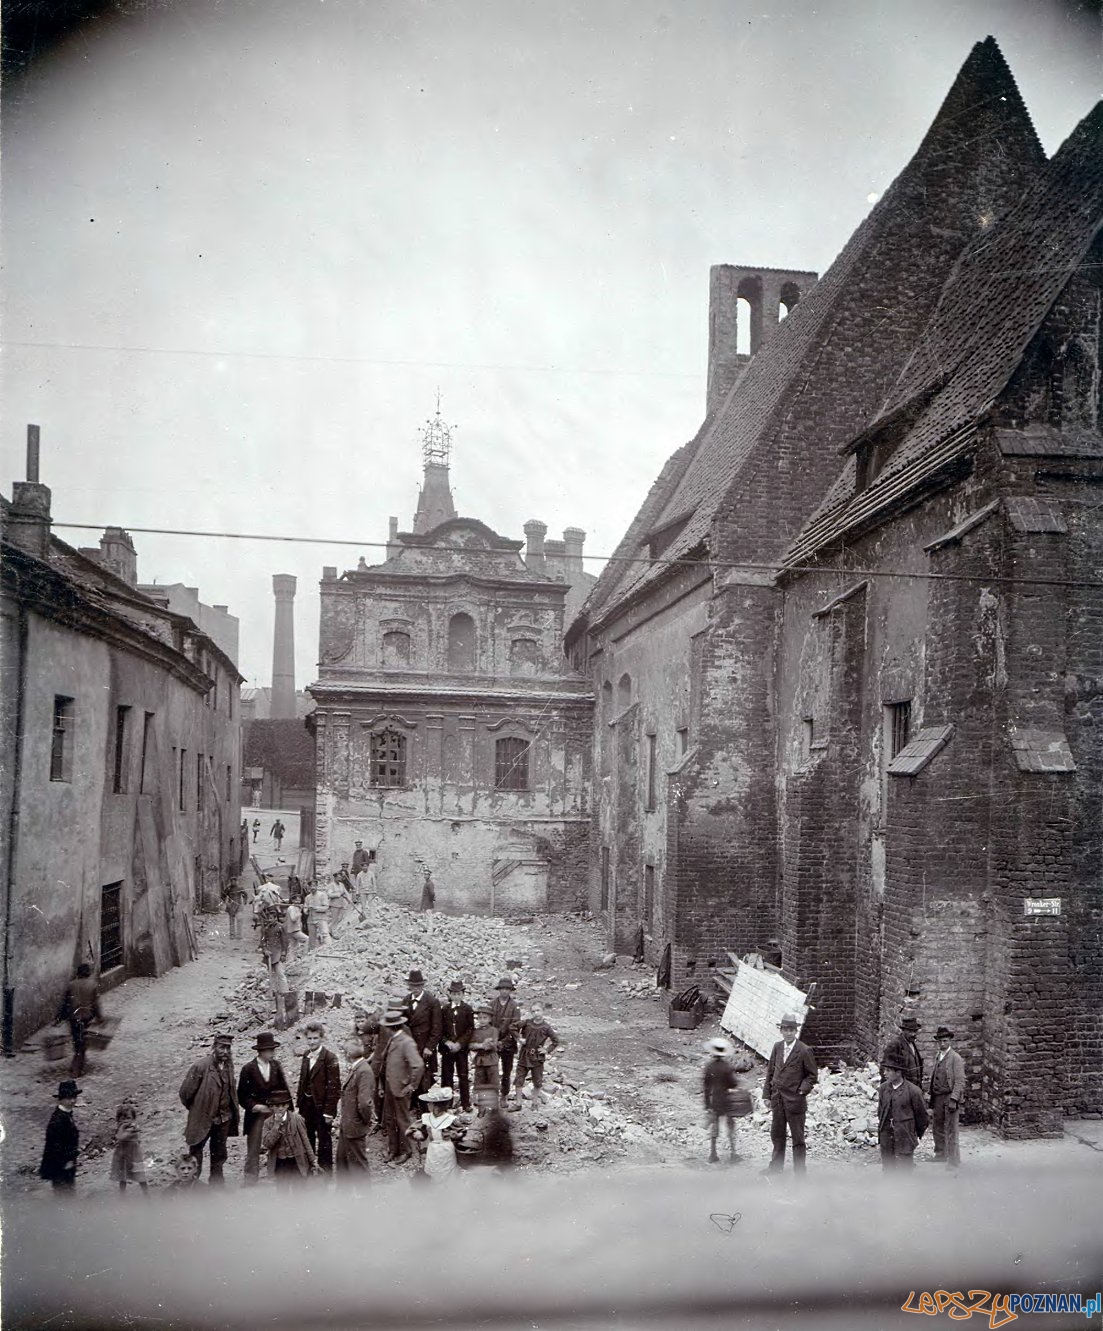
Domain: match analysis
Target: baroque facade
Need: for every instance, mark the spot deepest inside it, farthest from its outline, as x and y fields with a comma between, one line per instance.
x=119, y=763
x=450, y=731
x=849, y=693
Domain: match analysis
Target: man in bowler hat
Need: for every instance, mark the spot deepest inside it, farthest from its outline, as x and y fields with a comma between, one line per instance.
x=790, y=1075
x=424, y=1022
x=458, y=1026
x=901, y=1117
x=947, y=1093
x=59, y=1154
x=902, y=1050
x=259, y=1078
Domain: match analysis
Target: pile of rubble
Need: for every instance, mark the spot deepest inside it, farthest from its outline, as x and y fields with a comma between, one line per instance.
x=638, y=986
x=842, y=1107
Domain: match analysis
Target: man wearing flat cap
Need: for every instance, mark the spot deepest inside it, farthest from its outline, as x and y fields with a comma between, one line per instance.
x=207, y=1093
x=947, y=1093
x=790, y=1075
x=901, y=1118
x=259, y=1078
x=902, y=1050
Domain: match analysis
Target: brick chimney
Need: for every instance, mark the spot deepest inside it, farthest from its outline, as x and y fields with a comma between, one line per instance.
x=283, y=648
x=27, y=524
x=535, y=531
x=574, y=538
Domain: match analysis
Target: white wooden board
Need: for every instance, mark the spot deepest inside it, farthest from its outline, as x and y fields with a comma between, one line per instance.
x=757, y=1001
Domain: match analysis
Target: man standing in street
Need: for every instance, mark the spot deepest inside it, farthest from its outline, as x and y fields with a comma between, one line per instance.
x=457, y=1026
x=278, y=830
x=425, y=1024
x=505, y=1015
x=902, y=1050
x=319, y=1094
x=790, y=1075
x=901, y=1118
x=207, y=1093
x=59, y=1154
x=357, y=1107
x=360, y=858
x=947, y=1093
x=81, y=1007
x=402, y=1073
x=259, y=1078
x=428, y=890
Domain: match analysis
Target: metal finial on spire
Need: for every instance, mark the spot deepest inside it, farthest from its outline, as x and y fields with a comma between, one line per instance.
x=436, y=439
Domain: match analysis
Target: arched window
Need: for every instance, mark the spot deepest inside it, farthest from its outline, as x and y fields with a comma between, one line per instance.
x=748, y=316
x=511, y=764
x=624, y=690
x=396, y=650
x=522, y=656
x=461, y=642
x=388, y=758
x=787, y=299
x=607, y=694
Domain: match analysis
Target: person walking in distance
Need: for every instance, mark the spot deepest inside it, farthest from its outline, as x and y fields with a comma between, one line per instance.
x=208, y=1094
x=790, y=1075
x=402, y=1073
x=901, y=1117
x=319, y=1094
x=233, y=899
x=259, y=1078
x=947, y=1092
x=357, y=1108
x=80, y=1007
x=506, y=1016
x=424, y=1021
x=59, y=1154
x=256, y=829
x=457, y=1028
x=277, y=832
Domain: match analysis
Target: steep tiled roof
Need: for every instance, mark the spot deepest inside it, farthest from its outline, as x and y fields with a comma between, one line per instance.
x=981, y=133
x=991, y=308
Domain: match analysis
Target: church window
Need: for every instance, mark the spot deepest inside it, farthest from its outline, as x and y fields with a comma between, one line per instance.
x=511, y=764
x=388, y=758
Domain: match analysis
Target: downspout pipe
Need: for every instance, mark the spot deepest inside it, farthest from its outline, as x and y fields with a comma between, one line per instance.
x=11, y=858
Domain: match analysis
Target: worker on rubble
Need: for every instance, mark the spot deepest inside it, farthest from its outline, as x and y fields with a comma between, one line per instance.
x=316, y=907
x=901, y=1117
x=428, y=891
x=724, y=1099
x=790, y=1075
x=902, y=1049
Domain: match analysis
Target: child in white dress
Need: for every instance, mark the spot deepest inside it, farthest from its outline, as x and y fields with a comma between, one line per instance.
x=435, y=1129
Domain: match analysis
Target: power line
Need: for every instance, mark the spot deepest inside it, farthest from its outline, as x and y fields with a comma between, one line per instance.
x=746, y=565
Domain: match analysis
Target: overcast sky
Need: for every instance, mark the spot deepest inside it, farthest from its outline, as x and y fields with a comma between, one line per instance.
x=250, y=238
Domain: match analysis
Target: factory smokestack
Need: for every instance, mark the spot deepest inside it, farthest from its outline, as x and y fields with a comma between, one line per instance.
x=283, y=648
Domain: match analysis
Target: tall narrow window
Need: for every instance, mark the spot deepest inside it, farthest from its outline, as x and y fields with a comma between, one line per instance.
x=605, y=878
x=898, y=717
x=61, y=740
x=652, y=778
x=182, y=781
x=229, y=782
x=111, y=926
x=119, y=764
x=511, y=764
x=388, y=759
x=461, y=643
x=147, y=735
x=214, y=688
x=683, y=741
x=808, y=736
x=648, y=894
x=199, y=784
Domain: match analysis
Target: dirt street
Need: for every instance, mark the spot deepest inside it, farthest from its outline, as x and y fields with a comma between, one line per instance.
x=623, y=1089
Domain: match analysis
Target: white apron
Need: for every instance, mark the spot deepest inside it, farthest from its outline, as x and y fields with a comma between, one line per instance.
x=440, y=1155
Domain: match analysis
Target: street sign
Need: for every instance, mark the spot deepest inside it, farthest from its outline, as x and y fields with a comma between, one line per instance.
x=1041, y=905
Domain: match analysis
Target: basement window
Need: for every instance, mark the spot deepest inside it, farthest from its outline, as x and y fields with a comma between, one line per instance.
x=61, y=740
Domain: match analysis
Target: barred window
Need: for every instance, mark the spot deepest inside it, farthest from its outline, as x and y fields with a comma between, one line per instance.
x=388, y=758
x=511, y=764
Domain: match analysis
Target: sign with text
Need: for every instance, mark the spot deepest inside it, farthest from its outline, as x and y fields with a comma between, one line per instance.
x=756, y=1004
x=1041, y=905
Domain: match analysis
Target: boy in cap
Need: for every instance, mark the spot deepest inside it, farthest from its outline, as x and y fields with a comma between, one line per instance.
x=902, y=1050
x=901, y=1118
x=59, y=1154
x=790, y=1075
x=484, y=1045
x=538, y=1040
x=260, y=1078
x=207, y=1093
x=457, y=1028
x=506, y=1016
x=291, y=1157
x=947, y=1092
x=718, y=1082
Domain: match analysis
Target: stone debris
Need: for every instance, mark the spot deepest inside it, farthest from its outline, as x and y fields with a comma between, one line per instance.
x=638, y=986
x=842, y=1108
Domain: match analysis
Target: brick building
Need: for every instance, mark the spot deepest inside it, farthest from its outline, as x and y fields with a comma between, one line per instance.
x=849, y=697
x=119, y=763
x=450, y=731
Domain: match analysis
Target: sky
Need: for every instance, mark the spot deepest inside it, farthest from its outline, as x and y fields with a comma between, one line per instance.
x=246, y=242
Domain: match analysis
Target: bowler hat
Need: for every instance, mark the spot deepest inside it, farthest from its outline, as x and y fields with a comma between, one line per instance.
x=266, y=1040
x=67, y=1090
x=505, y=983
x=415, y=977
x=910, y=1024
x=719, y=1046
x=789, y=1019
x=456, y=987
x=279, y=1097
x=893, y=1064
x=943, y=1034
x=394, y=1019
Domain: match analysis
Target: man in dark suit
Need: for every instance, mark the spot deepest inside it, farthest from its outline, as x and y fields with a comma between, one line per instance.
x=319, y=1094
x=207, y=1093
x=458, y=1026
x=424, y=1024
x=790, y=1075
x=259, y=1078
x=357, y=1106
x=901, y=1117
x=59, y=1155
x=947, y=1093
x=903, y=1052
